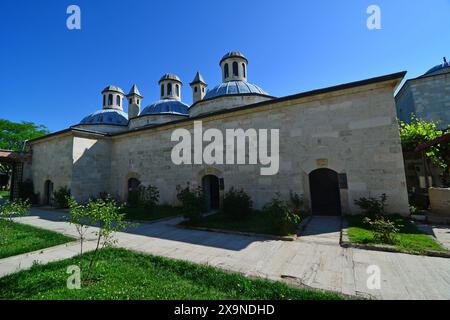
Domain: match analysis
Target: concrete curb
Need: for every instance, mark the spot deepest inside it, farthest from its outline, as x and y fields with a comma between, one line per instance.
x=248, y=234
x=345, y=243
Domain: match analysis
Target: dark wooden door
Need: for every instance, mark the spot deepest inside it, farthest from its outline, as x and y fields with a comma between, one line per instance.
x=324, y=188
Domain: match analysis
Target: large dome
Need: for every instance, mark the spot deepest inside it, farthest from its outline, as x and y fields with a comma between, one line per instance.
x=106, y=116
x=234, y=88
x=166, y=106
x=439, y=67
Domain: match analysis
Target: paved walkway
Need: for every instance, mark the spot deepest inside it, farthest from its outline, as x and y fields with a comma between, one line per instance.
x=318, y=264
x=323, y=229
x=440, y=232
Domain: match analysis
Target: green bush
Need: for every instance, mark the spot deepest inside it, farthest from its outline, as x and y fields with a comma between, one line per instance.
x=284, y=218
x=148, y=197
x=193, y=202
x=61, y=197
x=372, y=207
x=296, y=201
x=237, y=204
x=384, y=229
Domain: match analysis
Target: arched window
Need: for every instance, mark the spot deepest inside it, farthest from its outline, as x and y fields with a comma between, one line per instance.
x=235, y=69
x=130, y=101
x=243, y=70
x=137, y=102
x=169, y=89
x=110, y=99
x=104, y=100
x=225, y=70
x=177, y=90
x=118, y=100
x=195, y=89
x=162, y=90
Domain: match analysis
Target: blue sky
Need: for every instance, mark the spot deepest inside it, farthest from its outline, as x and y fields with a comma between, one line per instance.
x=53, y=76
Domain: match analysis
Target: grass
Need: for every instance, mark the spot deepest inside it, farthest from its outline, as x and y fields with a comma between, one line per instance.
x=122, y=274
x=257, y=222
x=162, y=211
x=409, y=239
x=4, y=194
x=21, y=238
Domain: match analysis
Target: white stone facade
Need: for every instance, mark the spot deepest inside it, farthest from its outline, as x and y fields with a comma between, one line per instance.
x=350, y=129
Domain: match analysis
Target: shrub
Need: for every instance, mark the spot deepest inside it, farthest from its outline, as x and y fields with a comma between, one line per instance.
x=372, y=207
x=148, y=197
x=61, y=197
x=383, y=228
x=284, y=219
x=193, y=202
x=237, y=204
x=296, y=201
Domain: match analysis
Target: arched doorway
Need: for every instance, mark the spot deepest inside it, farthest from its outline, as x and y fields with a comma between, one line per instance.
x=133, y=188
x=48, y=192
x=325, y=196
x=210, y=185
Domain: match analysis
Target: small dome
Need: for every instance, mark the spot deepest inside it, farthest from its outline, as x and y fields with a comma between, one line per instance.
x=439, y=67
x=113, y=88
x=166, y=106
x=232, y=54
x=234, y=88
x=106, y=116
x=170, y=76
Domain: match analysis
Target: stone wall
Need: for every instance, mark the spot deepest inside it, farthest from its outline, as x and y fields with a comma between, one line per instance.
x=440, y=201
x=226, y=102
x=91, y=166
x=51, y=160
x=352, y=131
x=428, y=97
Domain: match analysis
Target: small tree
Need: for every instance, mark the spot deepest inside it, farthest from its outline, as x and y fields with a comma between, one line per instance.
x=101, y=212
x=9, y=210
x=106, y=214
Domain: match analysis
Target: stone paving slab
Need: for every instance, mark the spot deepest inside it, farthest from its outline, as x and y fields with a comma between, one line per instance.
x=25, y=261
x=315, y=262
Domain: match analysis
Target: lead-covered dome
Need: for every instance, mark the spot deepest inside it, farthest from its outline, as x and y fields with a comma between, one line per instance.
x=234, y=88
x=439, y=67
x=166, y=106
x=106, y=116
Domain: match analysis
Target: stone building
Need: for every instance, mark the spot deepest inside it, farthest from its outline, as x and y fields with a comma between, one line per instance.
x=336, y=144
x=427, y=96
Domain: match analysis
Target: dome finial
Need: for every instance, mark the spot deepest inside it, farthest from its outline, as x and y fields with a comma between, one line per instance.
x=445, y=60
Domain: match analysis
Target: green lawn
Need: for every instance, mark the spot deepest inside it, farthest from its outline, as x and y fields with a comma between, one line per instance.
x=4, y=194
x=21, y=238
x=409, y=239
x=122, y=274
x=159, y=212
x=257, y=222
